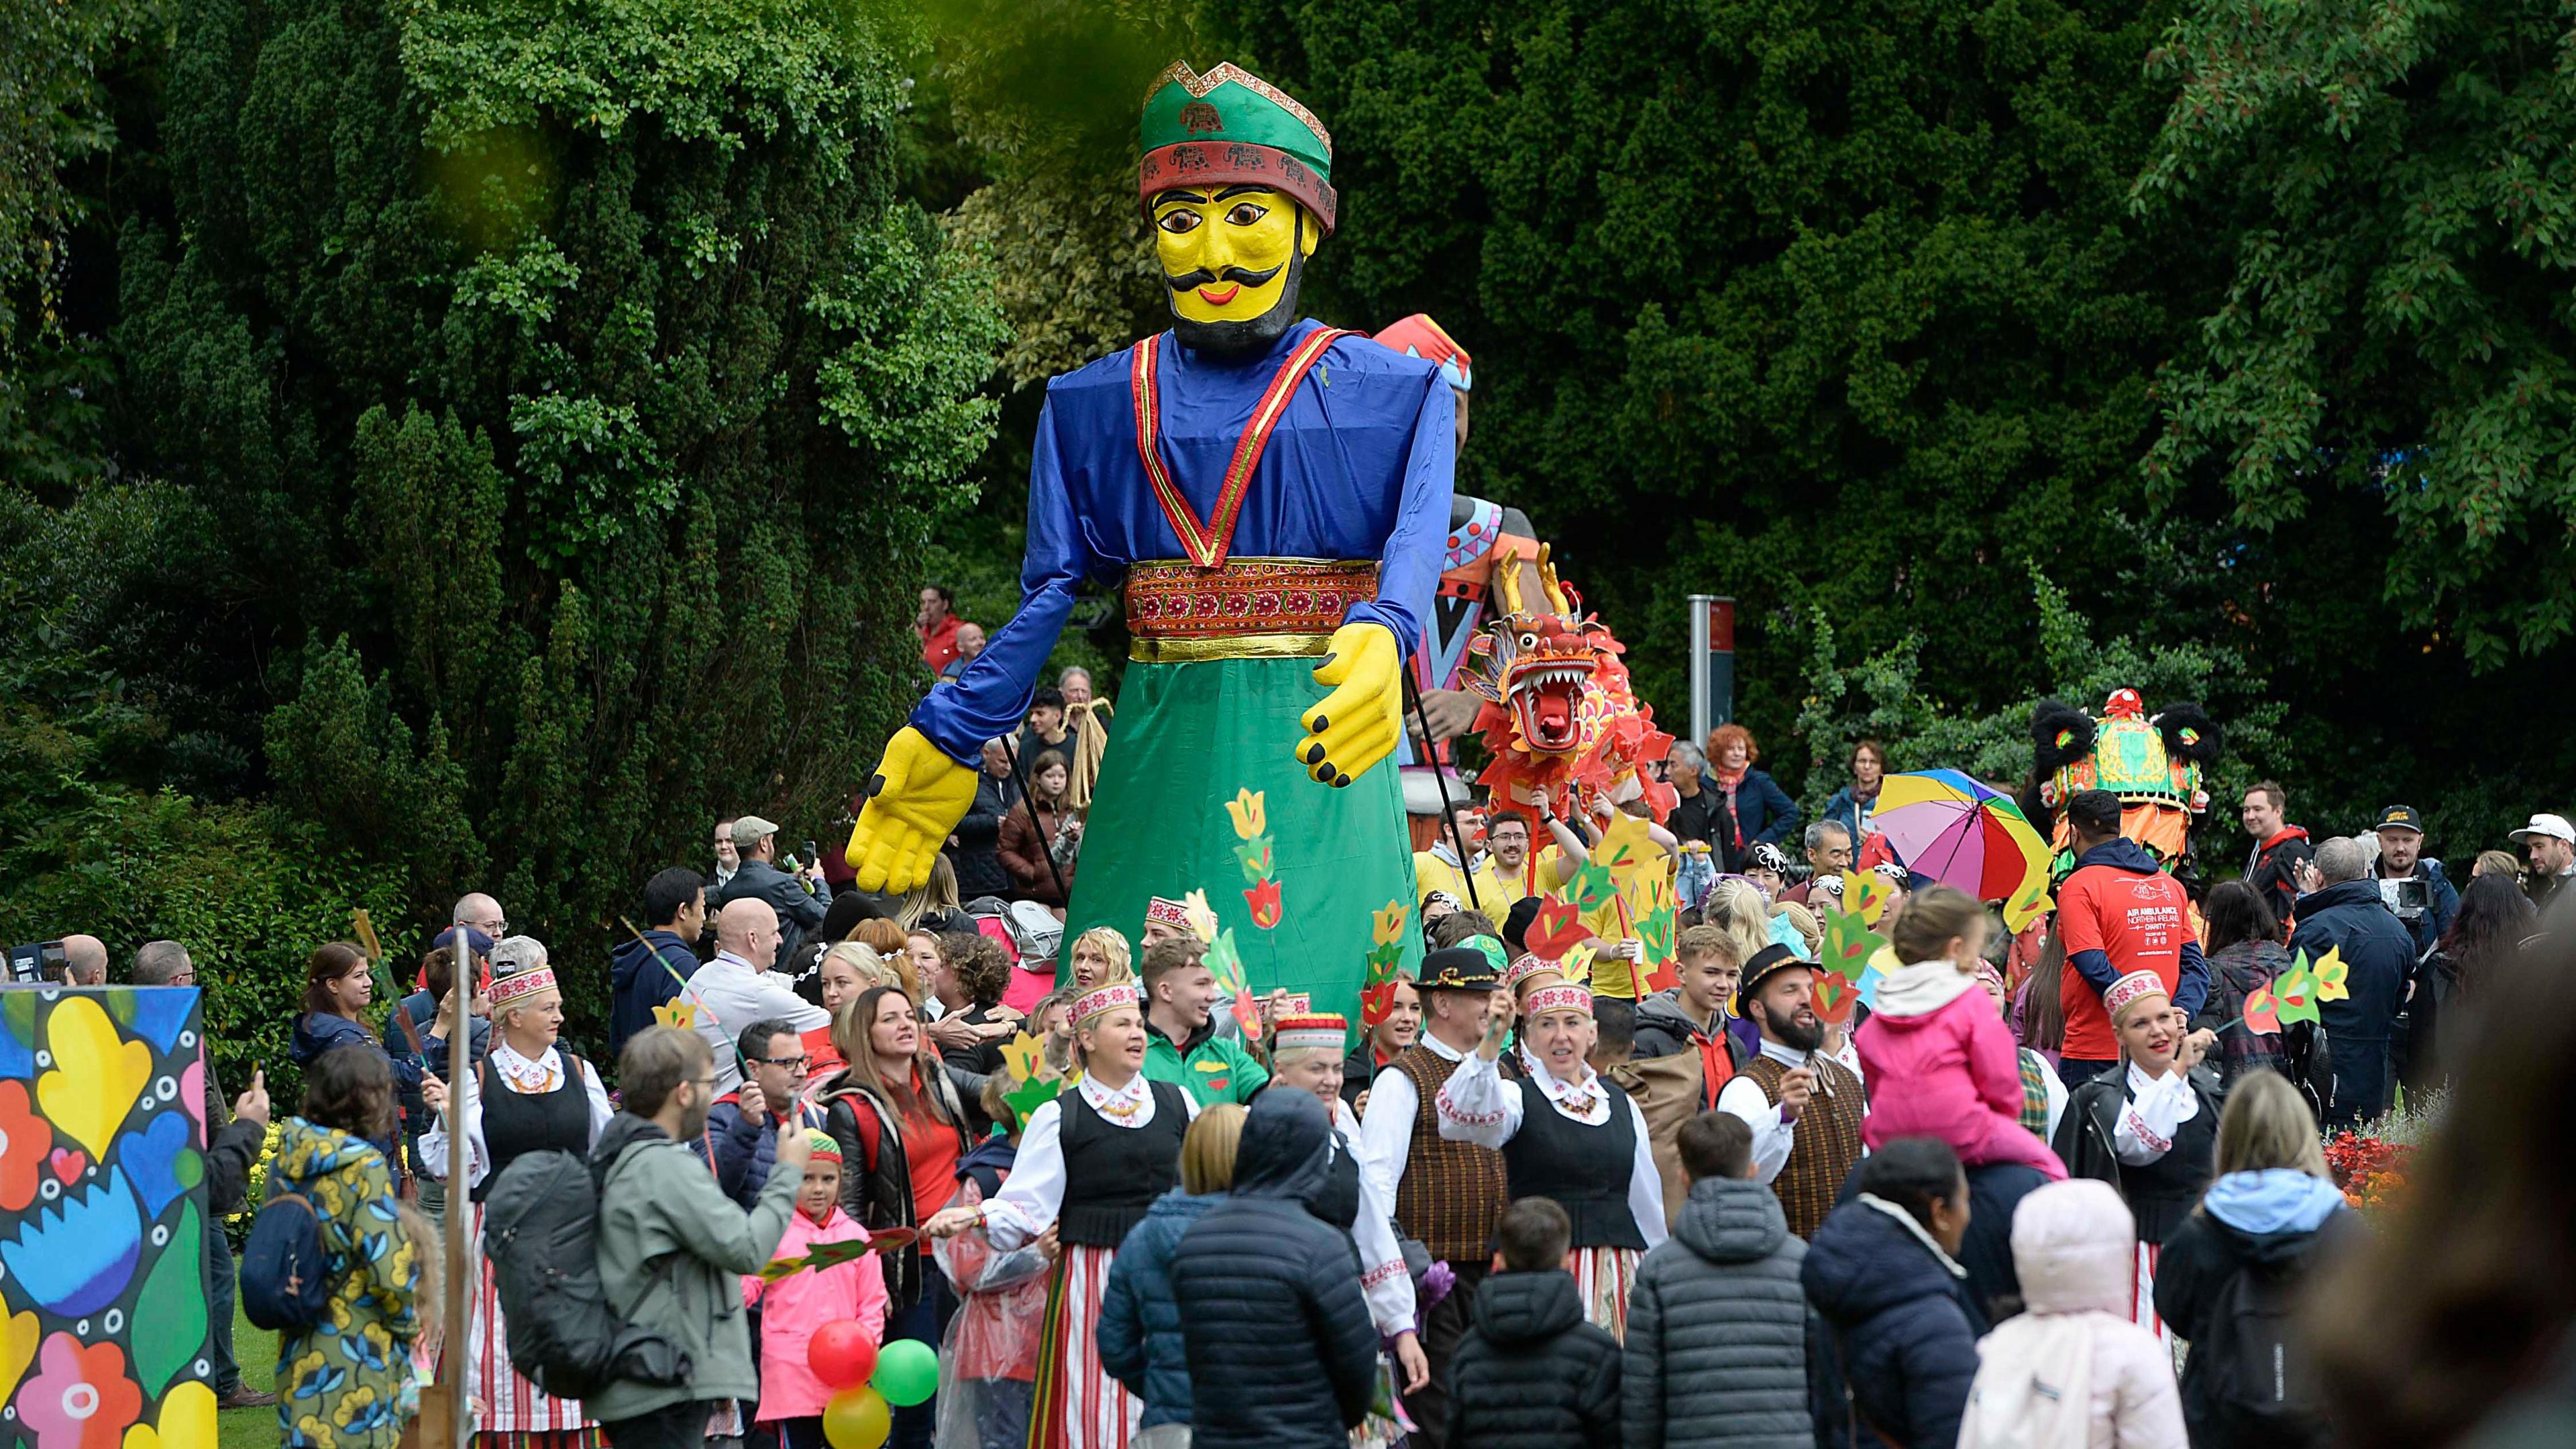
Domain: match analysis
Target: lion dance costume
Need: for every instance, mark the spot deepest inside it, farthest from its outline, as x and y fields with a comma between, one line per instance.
x=2153, y=763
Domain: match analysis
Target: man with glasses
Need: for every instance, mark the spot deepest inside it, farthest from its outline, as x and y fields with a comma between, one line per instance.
x=482, y=913
x=741, y=1136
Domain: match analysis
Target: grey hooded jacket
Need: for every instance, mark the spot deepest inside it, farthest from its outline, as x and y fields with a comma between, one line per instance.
x=1717, y=1329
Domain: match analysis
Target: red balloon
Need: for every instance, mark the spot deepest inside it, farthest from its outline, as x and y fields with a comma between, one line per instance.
x=842, y=1353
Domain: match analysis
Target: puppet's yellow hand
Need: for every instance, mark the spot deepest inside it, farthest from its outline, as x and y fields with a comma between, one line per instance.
x=916, y=799
x=1357, y=724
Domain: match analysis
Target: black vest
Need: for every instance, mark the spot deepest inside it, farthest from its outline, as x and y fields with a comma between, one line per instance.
x=1585, y=1170
x=515, y=1123
x=1339, y=1202
x=1113, y=1174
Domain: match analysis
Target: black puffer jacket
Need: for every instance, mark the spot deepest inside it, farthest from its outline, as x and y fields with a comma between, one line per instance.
x=1717, y=1328
x=1901, y=1318
x=1530, y=1373
x=1281, y=1350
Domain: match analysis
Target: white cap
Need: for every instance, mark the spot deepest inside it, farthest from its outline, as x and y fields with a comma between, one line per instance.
x=2553, y=826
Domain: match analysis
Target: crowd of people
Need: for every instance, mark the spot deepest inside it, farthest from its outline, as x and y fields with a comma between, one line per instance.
x=2052, y=1188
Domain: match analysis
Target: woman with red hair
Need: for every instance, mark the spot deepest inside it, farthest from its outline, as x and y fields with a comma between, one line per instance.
x=1761, y=809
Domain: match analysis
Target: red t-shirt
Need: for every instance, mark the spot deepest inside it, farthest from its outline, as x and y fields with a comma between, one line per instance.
x=2139, y=921
x=930, y=1151
x=938, y=642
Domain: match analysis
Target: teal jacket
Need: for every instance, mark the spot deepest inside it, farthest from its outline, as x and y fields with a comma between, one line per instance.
x=657, y=1199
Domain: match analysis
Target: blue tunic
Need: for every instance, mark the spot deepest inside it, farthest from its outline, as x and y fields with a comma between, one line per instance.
x=1358, y=468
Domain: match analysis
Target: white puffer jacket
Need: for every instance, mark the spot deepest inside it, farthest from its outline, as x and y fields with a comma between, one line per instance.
x=2072, y=1372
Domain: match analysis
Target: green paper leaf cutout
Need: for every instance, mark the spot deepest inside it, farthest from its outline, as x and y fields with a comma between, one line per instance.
x=1225, y=962
x=1656, y=930
x=169, y=1324
x=1849, y=943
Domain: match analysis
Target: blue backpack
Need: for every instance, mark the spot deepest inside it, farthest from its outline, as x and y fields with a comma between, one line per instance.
x=285, y=1275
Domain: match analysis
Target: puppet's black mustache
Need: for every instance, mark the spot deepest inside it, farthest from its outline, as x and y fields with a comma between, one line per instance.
x=1203, y=277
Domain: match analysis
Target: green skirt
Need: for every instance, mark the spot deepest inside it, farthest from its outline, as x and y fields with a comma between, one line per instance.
x=1190, y=737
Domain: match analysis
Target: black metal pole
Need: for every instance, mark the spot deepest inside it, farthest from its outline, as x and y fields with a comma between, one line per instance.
x=1012, y=753
x=1440, y=778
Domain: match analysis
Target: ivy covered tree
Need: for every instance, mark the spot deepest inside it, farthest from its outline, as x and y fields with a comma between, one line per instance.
x=561, y=390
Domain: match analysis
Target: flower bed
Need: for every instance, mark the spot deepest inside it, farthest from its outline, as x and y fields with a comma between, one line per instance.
x=2370, y=1170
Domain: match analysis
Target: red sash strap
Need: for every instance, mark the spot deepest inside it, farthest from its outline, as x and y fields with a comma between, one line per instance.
x=1206, y=541
x=1717, y=1066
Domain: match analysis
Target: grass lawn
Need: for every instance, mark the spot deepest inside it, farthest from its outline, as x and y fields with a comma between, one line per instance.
x=255, y=1349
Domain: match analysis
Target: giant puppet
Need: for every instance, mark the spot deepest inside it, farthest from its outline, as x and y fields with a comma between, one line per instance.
x=2154, y=763
x=1275, y=495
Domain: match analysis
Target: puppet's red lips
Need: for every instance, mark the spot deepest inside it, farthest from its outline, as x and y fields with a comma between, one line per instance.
x=1219, y=296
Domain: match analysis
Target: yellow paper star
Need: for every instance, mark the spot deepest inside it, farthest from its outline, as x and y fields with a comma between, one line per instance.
x=1245, y=807
x=682, y=1014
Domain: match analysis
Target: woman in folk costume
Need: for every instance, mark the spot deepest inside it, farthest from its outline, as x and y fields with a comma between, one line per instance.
x=1273, y=496
x=1565, y=1133
x=2149, y=1129
x=1090, y=1164
x=1306, y=1055
x=530, y=1095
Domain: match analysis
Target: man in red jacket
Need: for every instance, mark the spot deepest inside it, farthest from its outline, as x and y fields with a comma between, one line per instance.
x=2272, y=868
x=2119, y=912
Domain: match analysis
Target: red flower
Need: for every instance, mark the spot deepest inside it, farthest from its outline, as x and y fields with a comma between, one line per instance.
x=25, y=1138
x=1375, y=1002
x=1263, y=900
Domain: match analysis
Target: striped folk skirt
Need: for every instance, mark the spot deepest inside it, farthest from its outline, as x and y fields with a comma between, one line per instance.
x=511, y=1405
x=1602, y=1278
x=2142, y=1295
x=1077, y=1404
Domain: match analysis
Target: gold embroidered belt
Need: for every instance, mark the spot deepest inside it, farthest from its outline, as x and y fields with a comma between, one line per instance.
x=1248, y=608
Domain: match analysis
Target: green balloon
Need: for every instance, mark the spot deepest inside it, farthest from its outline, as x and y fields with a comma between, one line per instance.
x=907, y=1372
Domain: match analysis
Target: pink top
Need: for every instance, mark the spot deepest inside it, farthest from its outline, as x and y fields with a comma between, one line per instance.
x=795, y=1307
x=1934, y=1073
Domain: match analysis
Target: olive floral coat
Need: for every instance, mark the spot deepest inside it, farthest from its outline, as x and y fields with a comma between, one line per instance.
x=346, y=1382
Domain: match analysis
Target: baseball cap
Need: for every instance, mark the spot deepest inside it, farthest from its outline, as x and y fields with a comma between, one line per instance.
x=2553, y=826
x=748, y=829
x=2403, y=817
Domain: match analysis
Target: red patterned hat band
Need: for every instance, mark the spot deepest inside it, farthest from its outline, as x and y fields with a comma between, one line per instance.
x=1160, y=911
x=1323, y=1029
x=508, y=989
x=1106, y=999
x=1558, y=998
x=2135, y=987
x=1526, y=967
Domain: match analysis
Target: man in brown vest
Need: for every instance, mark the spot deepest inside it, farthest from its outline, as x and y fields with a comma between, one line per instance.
x=1447, y=1195
x=1805, y=1108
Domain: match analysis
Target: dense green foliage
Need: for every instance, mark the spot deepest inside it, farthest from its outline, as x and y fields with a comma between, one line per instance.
x=537, y=398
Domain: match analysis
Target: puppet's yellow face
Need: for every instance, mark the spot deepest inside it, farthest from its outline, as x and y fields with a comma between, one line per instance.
x=1226, y=250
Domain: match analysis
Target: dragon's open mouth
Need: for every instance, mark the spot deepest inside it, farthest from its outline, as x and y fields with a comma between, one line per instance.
x=1544, y=693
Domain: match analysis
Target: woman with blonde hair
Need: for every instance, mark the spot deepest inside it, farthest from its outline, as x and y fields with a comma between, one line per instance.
x=938, y=893
x=1142, y=1342
x=2273, y=1213
x=1101, y=958
x=1736, y=907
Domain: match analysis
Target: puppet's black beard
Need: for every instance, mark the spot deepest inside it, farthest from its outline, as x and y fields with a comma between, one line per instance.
x=1251, y=336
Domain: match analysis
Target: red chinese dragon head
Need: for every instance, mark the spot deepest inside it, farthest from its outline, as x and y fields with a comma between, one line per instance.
x=1559, y=714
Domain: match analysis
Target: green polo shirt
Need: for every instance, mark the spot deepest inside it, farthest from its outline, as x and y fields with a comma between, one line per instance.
x=1212, y=1069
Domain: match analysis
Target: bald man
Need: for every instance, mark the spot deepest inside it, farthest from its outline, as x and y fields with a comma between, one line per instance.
x=737, y=988
x=482, y=913
x=85, y=961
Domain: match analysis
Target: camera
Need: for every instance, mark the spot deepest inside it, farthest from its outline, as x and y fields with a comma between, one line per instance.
x=39, y=962
x=2408, y=896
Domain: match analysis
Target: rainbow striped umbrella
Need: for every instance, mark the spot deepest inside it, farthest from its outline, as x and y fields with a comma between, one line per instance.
x=1959, y=832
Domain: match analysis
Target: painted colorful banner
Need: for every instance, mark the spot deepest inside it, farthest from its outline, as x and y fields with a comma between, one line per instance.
x=102, y=1219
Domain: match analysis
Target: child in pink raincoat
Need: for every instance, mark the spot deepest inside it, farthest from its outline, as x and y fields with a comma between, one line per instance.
x=795, y=1307
x=1938, y=1060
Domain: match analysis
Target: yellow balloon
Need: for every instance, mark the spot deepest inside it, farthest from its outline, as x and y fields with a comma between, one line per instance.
x=857, y=1418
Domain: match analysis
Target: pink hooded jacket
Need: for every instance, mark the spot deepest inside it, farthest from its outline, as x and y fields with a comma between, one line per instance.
x=796, y=1306
x=1940, y=1063
x=2072, y=1372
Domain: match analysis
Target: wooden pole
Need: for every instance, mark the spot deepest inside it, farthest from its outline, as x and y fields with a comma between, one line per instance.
x=458, y=1350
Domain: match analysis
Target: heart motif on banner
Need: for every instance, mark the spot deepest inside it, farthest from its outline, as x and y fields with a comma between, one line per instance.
x=97, y=1075
x=68, y=1165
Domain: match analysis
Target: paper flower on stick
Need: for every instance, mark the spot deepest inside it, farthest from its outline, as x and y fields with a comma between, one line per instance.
x=1848, y=945
x=1385, y=955
x=1557, y=929
x=1249, y=818
x=1591, y=888
x=1261, y=884
x=2330, y=974
x=1386, y=927
x=682, y=1014
x=1834, y=998
x=1202, y=916
x=2032, y=903
x=2262, y=1013
x=1032, y=1084
x=1866, y=892
x=1576, y=964
x=1263, y=901
x=2294, y=993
